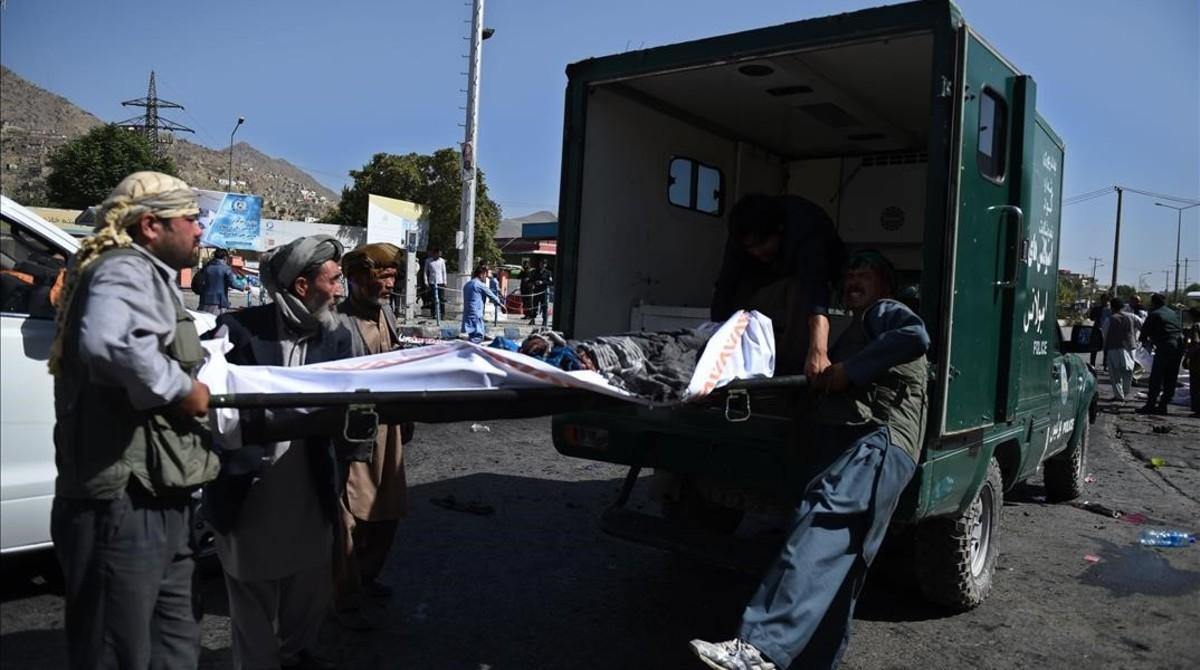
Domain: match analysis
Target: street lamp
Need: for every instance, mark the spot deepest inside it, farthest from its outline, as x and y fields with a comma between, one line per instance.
x=1178, y=232
x=240, y=121
x=1139, y=284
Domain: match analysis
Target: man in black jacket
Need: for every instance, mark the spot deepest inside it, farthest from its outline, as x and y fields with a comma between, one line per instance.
x=274, y=505
x=781, y=258
x=1164, y=330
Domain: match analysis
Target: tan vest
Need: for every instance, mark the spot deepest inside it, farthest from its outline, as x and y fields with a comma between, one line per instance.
x=897, y=399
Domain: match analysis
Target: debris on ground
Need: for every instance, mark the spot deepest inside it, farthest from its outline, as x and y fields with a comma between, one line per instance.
x=1089, y=479
x=1097, y=508
x=1162, y=429
x=480, y=428
x=1135, y=518
x=1153, y=537
x=1091, y=558
x=470, y=507
x=1157, y=462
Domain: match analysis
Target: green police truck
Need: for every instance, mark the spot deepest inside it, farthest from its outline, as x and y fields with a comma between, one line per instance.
x=919, y=140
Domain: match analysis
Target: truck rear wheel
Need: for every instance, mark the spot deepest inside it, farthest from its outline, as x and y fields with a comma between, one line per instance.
x=1064, y=473
x=956, y=556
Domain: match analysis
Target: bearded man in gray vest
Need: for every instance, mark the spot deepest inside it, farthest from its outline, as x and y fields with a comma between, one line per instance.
x=869, y=417
x=130, y=446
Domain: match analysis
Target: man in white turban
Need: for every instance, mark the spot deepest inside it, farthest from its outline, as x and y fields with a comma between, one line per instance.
x=130, y=445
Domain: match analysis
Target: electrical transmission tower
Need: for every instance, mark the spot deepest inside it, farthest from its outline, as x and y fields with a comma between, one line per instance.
x=151, y=123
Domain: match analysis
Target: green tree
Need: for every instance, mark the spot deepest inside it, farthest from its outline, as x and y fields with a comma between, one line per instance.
x=434, y=181
x=1069, y=291
x=85, y=170
x=1125, y=292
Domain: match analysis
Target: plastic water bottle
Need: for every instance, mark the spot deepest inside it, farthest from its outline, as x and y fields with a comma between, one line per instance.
x=1166, y=538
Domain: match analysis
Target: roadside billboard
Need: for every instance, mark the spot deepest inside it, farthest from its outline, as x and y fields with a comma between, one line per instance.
x=404, y=224
x=276, y=232
x=230, y=220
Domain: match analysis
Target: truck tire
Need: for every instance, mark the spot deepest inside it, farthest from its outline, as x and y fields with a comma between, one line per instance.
x=956, y=556
x=1064, y=473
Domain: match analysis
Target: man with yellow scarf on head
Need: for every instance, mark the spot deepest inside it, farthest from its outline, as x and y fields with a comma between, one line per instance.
x=130, y=445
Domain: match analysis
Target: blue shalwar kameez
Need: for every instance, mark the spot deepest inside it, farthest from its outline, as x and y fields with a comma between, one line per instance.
x=800, y=615
x=475, y=293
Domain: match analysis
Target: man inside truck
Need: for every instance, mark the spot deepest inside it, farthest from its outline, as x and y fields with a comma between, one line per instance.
x=868, y=415
x=781, y=257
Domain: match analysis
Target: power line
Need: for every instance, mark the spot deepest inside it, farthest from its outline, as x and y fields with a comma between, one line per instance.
x=151, y=123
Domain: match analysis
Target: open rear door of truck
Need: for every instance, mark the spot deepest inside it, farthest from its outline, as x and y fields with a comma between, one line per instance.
x=989, y=225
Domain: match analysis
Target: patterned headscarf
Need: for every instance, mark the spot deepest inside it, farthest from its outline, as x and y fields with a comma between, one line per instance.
x=141, y=193
x=370, y=258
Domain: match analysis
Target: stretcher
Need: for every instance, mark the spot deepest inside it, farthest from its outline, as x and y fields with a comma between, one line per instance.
x=460, y=381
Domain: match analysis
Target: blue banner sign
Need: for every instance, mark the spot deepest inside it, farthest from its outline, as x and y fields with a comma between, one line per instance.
x=230, y=220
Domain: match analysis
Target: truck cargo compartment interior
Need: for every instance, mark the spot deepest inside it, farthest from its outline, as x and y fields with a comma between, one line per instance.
x=846, y=126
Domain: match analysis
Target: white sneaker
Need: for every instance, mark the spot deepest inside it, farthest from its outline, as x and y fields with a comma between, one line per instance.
x=732, y=655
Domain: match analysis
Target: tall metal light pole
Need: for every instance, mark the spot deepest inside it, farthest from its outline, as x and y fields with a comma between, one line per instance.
x=1178, y=233
x=466, y=254
x=240, y=121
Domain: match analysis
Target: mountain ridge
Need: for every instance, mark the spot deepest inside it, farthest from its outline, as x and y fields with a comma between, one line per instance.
x=34, y=122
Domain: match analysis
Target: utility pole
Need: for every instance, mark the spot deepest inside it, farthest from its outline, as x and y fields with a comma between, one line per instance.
x=1178, y=233
x=151, y=123
x=466, y=253
x=1167, y=283
x=1096, y=262
x=1185, y=274
x=1117, y=239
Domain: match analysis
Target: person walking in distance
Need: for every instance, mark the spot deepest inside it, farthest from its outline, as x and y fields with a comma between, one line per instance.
x=435, y=279
x=543, y=283
x=130, y=444
x=376, y=492
x=1099, y=314
x=1120, y=341
x=1193, y=360
x=215, y=280
x=1164, y=330
x=475, y=295
x=526, y=288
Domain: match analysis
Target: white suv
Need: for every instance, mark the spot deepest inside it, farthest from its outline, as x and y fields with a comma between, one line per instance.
x=31, y=249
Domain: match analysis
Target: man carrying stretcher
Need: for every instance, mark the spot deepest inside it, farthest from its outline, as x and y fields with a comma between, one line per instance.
x=869, y=422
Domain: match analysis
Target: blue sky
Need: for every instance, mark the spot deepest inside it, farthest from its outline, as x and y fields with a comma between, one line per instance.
x=326, y=84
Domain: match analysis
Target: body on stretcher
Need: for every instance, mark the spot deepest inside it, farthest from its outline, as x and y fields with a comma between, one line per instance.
x=457, y=381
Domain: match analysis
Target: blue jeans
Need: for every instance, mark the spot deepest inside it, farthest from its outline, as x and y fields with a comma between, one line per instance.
x=800, y=615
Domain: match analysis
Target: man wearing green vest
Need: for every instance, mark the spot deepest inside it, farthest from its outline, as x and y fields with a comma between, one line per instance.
x=130, y=443
x=869, y=424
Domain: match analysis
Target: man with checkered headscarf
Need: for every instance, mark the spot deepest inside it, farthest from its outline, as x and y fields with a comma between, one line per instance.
x=130, y=443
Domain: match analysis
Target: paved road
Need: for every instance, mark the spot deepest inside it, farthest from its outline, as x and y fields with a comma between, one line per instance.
x=536, y=585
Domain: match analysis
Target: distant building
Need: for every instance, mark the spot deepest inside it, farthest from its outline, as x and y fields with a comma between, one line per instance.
x=528, y=237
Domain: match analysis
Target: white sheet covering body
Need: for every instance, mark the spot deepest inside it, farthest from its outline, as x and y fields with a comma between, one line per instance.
x=741, y=348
